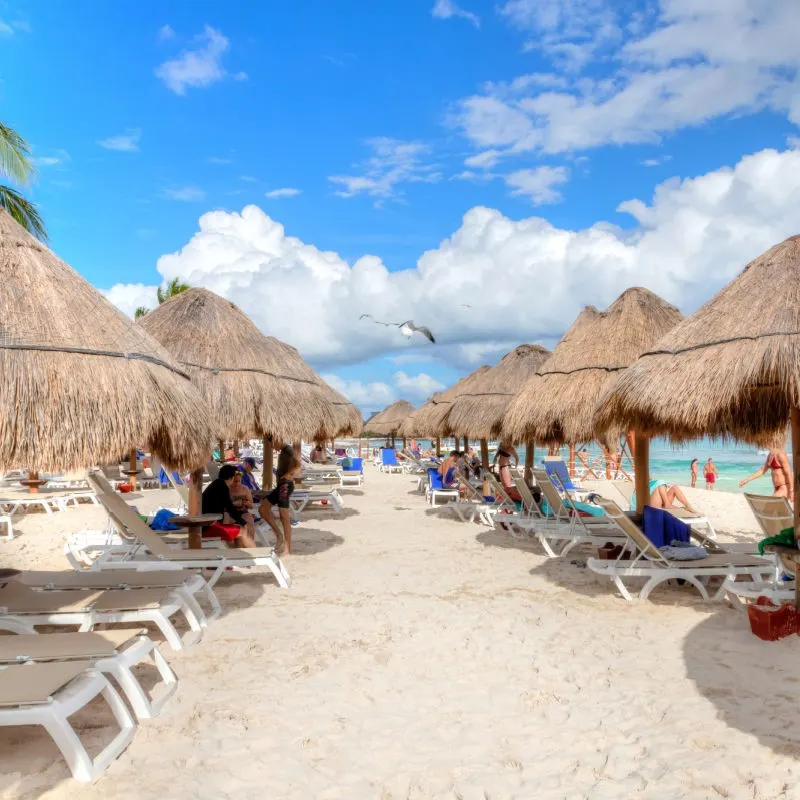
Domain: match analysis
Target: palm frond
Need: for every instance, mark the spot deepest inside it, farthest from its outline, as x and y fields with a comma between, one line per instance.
x=23, y=211
x=175, y=286
x=140, y=312
x=15, y=156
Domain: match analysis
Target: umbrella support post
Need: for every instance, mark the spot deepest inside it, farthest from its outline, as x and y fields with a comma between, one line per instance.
x=485, y=455
x=195, y=503
x=438, y=448
x=404, y=444
x=530, y=450
x=132, y=468
x=572, y=461
x=795, y=418
x=641, y=462
x=266, y=475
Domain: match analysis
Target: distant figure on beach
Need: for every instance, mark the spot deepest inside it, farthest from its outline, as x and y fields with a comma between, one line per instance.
x=505, y=452
x=777, y=462
x=414, y=449
x=711, y=474
x=288, y=469
x=693, y=470
x=318, y=455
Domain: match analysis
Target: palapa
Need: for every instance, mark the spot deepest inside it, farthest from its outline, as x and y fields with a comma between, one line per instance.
x=81, y=383
x=557, y=404
x=730, y=369
x=253, y=384
x=479, y=413
x=430, y=419
x=389, y=421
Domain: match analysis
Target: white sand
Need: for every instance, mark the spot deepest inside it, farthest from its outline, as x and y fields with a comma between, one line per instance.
x=417, y=657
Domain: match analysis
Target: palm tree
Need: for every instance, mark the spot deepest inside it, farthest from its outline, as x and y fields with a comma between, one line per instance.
x=140, y=312
x=175, y=286
x=16, y=164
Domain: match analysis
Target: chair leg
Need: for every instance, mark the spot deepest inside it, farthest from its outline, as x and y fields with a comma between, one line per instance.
x=277, y=568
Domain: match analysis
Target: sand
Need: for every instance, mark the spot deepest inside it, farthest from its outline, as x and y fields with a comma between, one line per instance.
x=419, y=657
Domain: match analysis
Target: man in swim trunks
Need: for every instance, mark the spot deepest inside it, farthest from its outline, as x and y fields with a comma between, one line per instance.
x=288, y=468
x=711, y=474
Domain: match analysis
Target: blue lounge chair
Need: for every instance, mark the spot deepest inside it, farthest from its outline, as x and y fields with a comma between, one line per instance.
x=389, y=461
x=436, y=488
x=558, y=469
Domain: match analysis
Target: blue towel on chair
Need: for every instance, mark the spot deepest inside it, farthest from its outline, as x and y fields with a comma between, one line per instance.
x=161, y=521
x=661, y=528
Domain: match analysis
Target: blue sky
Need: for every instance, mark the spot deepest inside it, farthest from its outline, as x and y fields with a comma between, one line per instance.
x=426, y=155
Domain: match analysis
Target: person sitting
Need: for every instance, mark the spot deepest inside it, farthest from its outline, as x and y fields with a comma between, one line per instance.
x=318, y=455
x=289, y=467
x=664, y=495
x=217, y=500
x=414, y=449
x=248, y=477
x=243, y=500
x=449, y=470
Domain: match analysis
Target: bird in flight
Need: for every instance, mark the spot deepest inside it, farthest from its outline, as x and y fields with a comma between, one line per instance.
x=407, y=328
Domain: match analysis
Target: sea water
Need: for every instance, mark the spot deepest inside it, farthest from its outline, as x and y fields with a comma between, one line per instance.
x=671, y=463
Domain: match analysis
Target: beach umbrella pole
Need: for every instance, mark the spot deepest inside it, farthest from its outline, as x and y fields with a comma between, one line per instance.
x=438, y=447
x=530, y=450
x=485, y=454
x=266, y=477
x=195, y=504
x=572, y=461
x=132, y=469
x=641, y=465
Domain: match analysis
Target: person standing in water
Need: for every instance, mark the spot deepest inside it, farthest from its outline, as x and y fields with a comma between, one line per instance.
x=693, y=469
x=777, y=462
x=711, y=473
x=288, y=469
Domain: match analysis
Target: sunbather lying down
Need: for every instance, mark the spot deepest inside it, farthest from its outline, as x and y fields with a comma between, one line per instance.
x=664, y=495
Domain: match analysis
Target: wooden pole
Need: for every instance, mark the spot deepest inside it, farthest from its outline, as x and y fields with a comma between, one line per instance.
x=641, y=463
x=630, y=439
x=33, y=482
x=404, y=443
x=221, y=446
x=438, y=447
x=530, y=451
x=572, y=461
x=298, y=449
x=266, y=477
x=236, y=449
x=608, y=463
x=485, y=455
x=132, y=468
x=195, y=504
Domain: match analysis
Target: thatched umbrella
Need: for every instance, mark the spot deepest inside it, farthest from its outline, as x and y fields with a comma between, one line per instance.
x=479, y=413
x=81, y=383
x=557, y=404
x=731, y=369
x=431, y=419
x=389, y=421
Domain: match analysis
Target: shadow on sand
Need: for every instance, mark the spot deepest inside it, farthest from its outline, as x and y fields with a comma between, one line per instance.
x=752, y=684
x=318, y=513
x=309, y=541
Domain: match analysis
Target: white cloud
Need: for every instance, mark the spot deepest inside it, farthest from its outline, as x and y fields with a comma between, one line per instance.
x=196, y=67
x=485, y=160
x=127, y=142
x=682, y=64
x=218, y=160
x=247, y=178
x=445, y=9
x=538, y=184
x=165, y=32
x=393, y=162
x=187, y=194
x=9, y=28
x=525, y=279
x=58, y=158
x=129, y=296
x=288, y=191
x=416, y=387
x=240, y=76
x=367, y=396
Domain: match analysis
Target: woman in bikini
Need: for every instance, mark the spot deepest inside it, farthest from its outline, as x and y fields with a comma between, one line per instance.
x=777, y=462
x=505, y=452
x=288, y=469
x=693, y=470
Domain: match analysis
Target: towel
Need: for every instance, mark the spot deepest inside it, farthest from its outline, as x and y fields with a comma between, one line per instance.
x=785, y=538
x=161, y=521
x=661, y=528
x=680, y=551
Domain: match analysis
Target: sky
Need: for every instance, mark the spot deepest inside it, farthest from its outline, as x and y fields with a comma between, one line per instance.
x=485, y=168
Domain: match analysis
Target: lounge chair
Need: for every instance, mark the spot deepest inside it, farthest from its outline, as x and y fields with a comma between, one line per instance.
x=354, y=475
x=114, y=652
x=389, y=461
x=650, y=563
x=24, y=607
x=301, y=498
x=49, y=503
x=555, y=467
x=436, y=489
x=473, y=508
x=49, y=694
x=154, y=549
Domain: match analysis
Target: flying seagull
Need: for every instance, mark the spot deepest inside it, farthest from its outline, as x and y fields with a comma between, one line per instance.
x=407, y=328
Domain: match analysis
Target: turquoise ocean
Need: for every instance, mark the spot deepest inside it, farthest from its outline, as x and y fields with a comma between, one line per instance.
x=671, y=463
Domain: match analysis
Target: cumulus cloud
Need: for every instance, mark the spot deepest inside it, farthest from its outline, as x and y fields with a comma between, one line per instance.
x=392, y=163
x=218, y=160
x=538, y=185
x=129, y=296
x=165, y=32
x=416, y=387
x=198, y=66
x=57, y=159
x=368, y=397
x=127, y=142
x=525, y=279
x=287, y=191
x=445, y=9
x=679, y=65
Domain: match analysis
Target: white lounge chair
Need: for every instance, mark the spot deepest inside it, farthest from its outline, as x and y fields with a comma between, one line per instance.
x=474, y=508
x=650, y=563
x=302, y=498
x=113, y=652
x=21, y=606
x=49, y=694
x=153, y=549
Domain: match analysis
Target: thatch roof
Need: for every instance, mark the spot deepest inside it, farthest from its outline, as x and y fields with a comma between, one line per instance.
x=81, y=384
x=389, y=421
x=430, y=419
x=479, y=413
x=253, y=384
x=557, y=405
x=732, y=368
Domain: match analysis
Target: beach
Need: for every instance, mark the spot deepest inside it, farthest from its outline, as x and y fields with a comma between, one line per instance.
x=418, y=657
